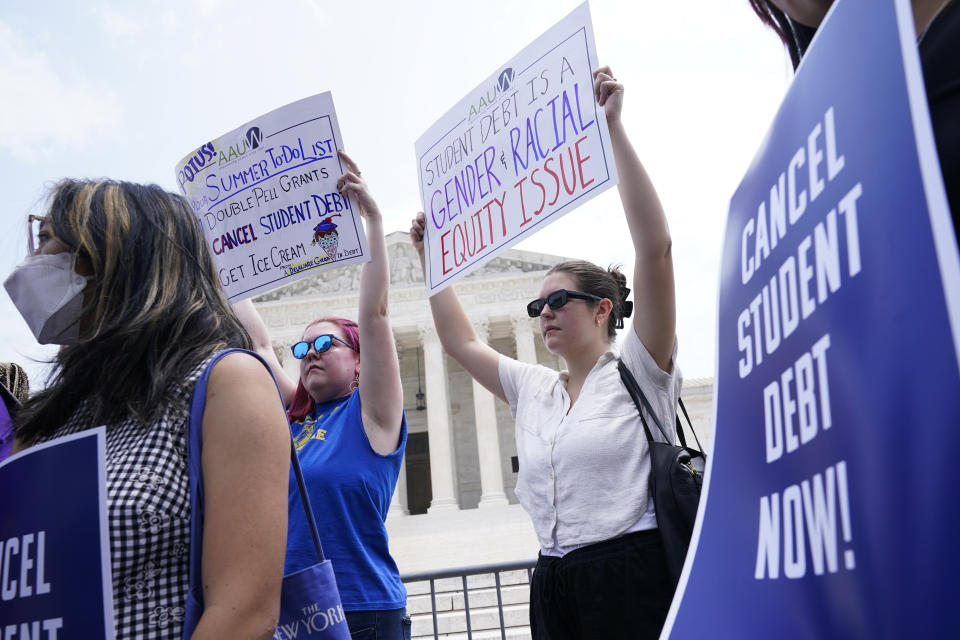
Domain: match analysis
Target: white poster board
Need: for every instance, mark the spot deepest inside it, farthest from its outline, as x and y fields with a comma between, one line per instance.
x=527, y=146
x=266, y=197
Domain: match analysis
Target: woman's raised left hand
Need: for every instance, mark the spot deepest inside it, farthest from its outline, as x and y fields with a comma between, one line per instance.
x=608, y=93
x=351, y=183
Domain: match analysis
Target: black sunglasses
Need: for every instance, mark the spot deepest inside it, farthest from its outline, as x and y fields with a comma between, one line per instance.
x=556, y=300
x=320, y=344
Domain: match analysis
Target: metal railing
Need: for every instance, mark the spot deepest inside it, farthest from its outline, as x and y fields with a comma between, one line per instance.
x=463, y=573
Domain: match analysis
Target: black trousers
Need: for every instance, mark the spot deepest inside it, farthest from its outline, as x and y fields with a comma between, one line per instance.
x=614, y=590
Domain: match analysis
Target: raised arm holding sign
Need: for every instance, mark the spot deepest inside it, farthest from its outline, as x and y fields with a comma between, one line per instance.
x=583, y=456
x=655, y=318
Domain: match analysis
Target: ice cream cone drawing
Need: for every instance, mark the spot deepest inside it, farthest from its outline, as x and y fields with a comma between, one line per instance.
x=325, y=234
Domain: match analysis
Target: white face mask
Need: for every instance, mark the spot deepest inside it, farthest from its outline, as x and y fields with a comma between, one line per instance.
x=49, y=295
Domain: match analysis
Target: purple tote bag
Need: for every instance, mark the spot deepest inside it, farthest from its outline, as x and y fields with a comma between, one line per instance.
x=309, y=600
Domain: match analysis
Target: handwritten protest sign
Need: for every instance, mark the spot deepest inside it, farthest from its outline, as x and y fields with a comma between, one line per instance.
x=54, y=550
x=829, y=509
x=266, y=196
x=527, y=146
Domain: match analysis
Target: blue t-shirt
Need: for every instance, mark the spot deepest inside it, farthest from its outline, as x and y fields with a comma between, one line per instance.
x=350, y=487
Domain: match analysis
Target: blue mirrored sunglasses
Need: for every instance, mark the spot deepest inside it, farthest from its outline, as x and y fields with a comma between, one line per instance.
x=320, y=344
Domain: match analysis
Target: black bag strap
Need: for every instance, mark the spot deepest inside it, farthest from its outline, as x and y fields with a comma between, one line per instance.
x=305, y=500
x=689, y=424
x=636, y=393
x=639, y=399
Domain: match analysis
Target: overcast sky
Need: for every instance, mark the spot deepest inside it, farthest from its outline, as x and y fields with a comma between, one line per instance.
x=126, y=89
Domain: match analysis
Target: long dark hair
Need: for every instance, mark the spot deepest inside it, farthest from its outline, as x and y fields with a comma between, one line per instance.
x=796, y=37
x=156, y=309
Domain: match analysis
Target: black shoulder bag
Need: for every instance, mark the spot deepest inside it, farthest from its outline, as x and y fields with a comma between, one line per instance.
x=675, y=479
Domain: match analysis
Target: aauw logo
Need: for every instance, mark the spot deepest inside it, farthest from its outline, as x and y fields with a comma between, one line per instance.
x=505, y=79
x=490, y=96
x=250, y=141
x=254, y=137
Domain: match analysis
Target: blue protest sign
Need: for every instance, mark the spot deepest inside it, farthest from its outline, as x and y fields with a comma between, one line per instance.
x=830, y=494
x=54, y=555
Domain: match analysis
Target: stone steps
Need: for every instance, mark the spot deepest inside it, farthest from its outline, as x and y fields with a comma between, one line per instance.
x=511, y=634
x=484, y=613
x=479, y=599
x=484, y=622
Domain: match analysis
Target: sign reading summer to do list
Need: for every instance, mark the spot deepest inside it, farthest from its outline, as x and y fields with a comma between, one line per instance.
x=830, y=508
x=266, y=195
x=55, y=579
x=527, y=146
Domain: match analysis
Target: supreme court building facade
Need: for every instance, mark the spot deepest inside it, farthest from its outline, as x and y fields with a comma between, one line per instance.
x=461, y=447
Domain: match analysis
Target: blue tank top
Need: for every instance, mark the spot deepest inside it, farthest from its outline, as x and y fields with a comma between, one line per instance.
x=350, y=487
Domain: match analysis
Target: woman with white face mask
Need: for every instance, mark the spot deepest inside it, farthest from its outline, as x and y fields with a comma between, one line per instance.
x=120, y=275
x=47, y=287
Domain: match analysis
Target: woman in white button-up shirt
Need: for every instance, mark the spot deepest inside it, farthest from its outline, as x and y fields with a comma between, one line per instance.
x=584, y=464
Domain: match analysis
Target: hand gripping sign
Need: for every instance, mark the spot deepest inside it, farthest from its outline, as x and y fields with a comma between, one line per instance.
x=266, y=196
x=527, y=146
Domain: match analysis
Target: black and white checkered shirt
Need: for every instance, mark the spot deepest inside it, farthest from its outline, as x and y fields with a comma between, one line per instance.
x=148, y=514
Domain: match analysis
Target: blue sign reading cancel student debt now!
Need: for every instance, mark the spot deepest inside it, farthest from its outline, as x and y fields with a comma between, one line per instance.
x=830, y=504
x=54, y=558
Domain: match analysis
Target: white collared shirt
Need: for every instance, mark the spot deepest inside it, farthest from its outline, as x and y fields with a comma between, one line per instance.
x=584, y=471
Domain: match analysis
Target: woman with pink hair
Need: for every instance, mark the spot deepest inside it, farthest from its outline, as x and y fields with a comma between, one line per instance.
x=346, y=417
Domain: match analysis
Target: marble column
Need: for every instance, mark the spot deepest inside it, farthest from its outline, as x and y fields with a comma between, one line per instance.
x=488, y=442
x=398, y=504
x=290, y=364
x=523, y=330
x=439, y=433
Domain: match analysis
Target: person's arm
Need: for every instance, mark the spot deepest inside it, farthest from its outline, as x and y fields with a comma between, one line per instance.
x=381, y=396
x=455, y=329
x=655, y=312
x=245, y=461
x=253, y=323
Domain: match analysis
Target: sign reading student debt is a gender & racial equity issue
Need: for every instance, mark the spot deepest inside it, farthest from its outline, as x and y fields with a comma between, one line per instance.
x=266, y=196
x=527, y=146
x=55, y=579
x=830, y=508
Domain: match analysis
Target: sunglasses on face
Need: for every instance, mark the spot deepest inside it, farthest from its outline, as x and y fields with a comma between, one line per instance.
x=320, y=344
x=556, y=300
